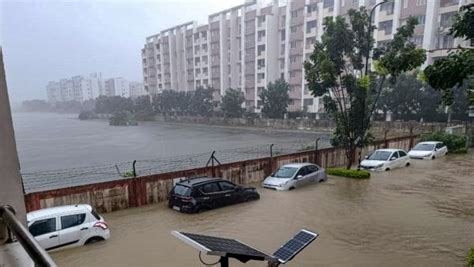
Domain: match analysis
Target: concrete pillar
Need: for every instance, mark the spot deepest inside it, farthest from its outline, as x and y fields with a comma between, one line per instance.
x=11, y=187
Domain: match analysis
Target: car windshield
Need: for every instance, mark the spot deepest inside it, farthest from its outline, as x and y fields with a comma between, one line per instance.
x=424, y=147
x=380, y=155
x=285, y=172
x=182, y=190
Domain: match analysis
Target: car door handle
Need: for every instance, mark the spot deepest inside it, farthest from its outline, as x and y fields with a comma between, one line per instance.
x=227, y=195
x=84, y=228
x=53, y=236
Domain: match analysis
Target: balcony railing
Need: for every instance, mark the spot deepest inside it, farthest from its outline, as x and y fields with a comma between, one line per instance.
x=39, y=256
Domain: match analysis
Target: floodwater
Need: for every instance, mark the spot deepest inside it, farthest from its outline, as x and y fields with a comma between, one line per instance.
x=422, y=215
x=48, y=141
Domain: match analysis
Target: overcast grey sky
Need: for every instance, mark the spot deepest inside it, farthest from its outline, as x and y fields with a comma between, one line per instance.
x=51, y=39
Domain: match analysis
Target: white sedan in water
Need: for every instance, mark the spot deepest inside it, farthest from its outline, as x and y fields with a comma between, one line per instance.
x=428, y=150
x=291, y=176
x=385, y=160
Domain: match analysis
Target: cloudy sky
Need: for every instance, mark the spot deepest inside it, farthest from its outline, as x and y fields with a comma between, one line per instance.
x=47, y=40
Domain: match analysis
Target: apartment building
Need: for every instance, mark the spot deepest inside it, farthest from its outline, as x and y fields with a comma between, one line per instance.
x=77, y=88
x=136, y=89
x=250, y=45
x=117, y=87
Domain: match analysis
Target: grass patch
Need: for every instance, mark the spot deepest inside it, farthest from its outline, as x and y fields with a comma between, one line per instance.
x=470, y=258
x=355, y=174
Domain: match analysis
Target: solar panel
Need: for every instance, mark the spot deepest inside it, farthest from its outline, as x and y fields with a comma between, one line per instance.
x=223, y=247
x=289, y=250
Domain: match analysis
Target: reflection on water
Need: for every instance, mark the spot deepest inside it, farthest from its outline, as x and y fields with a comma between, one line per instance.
x=422, y=215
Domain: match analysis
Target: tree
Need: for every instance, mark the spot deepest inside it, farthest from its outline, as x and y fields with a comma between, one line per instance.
x=452, y=71
x=201, y=101
x=113, y=104
x=232, y=103
x=143, y=109
x=275, y=99
x=335, y=71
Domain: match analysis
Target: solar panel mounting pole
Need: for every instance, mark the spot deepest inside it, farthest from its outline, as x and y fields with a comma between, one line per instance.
x=224, y=261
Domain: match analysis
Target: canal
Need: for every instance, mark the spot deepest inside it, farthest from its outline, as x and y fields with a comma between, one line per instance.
x=422, y=215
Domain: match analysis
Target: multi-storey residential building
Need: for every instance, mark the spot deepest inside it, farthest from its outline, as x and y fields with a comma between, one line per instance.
x=53, y=91
x=117, y=87
x=78, y=88
x=255, y=43
x=136, y=89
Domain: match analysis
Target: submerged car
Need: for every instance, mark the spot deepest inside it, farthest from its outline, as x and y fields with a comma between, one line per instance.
x=428, y=150
x=291, y=176
x=67, y=226
x=199, y=194
x=385, y=160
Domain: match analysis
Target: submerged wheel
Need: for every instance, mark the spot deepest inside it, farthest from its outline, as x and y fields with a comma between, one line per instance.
x=408, y=164
x=387, y=169
x=94, y=239
x=433, y=157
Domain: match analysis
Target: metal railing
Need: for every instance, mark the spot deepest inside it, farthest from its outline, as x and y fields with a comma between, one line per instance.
x=40, y=257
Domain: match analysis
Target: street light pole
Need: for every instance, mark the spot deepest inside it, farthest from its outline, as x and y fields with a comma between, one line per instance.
x=369, y=32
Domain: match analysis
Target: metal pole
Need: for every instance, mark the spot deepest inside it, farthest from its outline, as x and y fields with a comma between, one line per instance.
x=271, y=158
x=224, y=261
x=369, y=31
x=134, y=169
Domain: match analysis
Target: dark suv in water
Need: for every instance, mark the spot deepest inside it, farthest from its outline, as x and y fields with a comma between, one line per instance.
x=203, y=193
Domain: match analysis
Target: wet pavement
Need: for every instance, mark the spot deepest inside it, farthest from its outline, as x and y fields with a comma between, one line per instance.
x=422, y=215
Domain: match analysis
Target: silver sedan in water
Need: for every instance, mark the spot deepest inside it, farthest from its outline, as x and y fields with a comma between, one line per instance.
x=295, y=175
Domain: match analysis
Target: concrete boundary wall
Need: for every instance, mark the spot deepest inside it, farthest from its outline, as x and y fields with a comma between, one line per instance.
x=144, y=190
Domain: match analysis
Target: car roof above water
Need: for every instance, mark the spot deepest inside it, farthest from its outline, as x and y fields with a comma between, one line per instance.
x=389, y=149
x=31, y=216
x=297, y=165
x=198, y=180
x=430, y=142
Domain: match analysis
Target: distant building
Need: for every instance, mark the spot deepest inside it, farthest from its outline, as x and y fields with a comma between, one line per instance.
x=136, y=89
x=117, y=87
x=249, y=45
x=53, y=92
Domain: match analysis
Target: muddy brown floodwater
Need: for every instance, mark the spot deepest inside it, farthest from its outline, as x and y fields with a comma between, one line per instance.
x=422, y=215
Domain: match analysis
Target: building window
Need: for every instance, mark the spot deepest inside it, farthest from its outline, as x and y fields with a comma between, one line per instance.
x=283, y=35
x=312, y=8
x=310, y=25
x=418, y=40
x=293, y=44
x=421, y=19
x=446, y=19
x=294, y=14
x=292, y=59
x=294, y=29
x=420, y=2
x=386, y=26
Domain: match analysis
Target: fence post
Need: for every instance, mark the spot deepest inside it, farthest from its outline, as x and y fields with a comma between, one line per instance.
x=411, y=138
x=316, y=151
x=271, y=159
x=134, y=169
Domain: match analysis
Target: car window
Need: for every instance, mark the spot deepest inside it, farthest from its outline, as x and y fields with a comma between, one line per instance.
x=42, y=227
x=394, y=155
x=210, y=188
x=439, y=145
x=313, y=168
x=402, y=153
x=379, y=155
x=303, y=171
x=182, y=190
x=95, y=214
x=226, y=186
x=69, y=221
x=285, y=172
x=424, y=147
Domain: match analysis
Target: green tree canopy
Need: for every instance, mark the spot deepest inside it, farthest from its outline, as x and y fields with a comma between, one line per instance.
x=232, y=103
x=275, y=99
x=446, y=73
x=335, y=71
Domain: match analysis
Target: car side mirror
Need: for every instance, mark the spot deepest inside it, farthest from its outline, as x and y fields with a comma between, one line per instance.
x=366, y=157
x=299, y=176
x=436, y=149
x=393, y=158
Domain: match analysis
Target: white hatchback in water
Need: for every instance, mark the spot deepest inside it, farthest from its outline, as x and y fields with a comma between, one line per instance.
x=67, y=226
x=428, y=150
x=291, y=176
x=385, y=160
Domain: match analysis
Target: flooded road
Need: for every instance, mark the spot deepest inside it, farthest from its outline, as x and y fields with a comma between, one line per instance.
x=422, y=215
